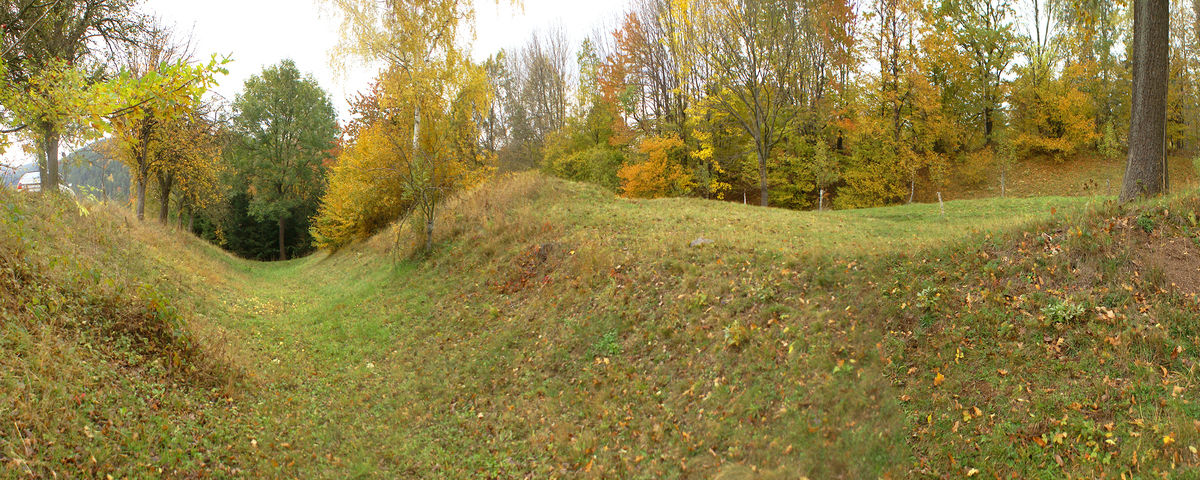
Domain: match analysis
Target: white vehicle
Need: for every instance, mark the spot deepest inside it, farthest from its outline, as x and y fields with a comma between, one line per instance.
x=32, y=182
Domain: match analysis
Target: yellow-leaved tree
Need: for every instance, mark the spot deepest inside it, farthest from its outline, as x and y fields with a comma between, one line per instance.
x=418, y=136
x=161, y=133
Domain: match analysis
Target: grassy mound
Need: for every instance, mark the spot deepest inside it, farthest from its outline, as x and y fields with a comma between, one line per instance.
x=558, y=332
x=102, y=370
x=1067, y=349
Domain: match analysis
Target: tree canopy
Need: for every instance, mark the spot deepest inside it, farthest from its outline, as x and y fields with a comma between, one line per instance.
x=286, y=128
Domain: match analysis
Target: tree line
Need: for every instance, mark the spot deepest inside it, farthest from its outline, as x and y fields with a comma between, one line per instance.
x=842, y=102
x=788, y=103
x=75, y=71
x=797, y=104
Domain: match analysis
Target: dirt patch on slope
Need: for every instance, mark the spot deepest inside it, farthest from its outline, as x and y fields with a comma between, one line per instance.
x=1178, y=258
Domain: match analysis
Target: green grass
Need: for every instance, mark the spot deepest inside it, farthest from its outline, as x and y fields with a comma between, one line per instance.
x=676, y=222
x=558, y=332
x=1082, y=176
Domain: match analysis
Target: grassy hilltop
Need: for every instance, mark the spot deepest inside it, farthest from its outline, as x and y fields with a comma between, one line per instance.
x=559, y=332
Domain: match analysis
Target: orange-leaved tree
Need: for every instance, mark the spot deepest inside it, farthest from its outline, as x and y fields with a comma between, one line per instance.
x=661, y=174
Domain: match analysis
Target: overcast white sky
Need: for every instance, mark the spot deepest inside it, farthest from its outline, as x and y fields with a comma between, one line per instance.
x=259, y=33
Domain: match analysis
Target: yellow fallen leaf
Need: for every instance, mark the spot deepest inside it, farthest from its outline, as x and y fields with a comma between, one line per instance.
x=1167, y=440
x=972, y=472
x=937, y=381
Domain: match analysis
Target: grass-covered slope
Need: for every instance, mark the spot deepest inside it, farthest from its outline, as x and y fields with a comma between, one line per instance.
x=559, y=332
x=1082, y=176
x=107, y=365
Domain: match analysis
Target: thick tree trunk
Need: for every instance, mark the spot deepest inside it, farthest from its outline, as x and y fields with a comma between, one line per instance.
x=282, y=251
x=164, y=194
x=988, y=125
x=50, y=175
x=1146, y=170
x=141, y=199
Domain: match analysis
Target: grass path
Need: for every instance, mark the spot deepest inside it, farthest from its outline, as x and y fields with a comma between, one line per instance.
x=559, y=332
x=366, y=368
x=320, y=368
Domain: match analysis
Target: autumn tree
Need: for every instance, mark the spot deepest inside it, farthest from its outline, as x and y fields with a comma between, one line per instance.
x=493, y=122
x=192, y=163
x=751, y=51
x=1050, y=114
x=656, y=62
x=591, y=146
x=432, y=95
x=287, y=127
x=1092, y=31
x=660, y=174
x=533, y=93
x=985, y=33
x=1183, y=81
x=53, y=53
x=162, y=89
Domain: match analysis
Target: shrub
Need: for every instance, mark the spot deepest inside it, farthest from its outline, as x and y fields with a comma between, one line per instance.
x=661, y=175
x=598, y=165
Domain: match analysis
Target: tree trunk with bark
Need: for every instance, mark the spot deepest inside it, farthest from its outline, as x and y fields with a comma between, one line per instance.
x=1146, y=170
x=988, y=125
x=282, y=250
x=429, y=234
x=141, y=198
x=764, y=200
x=49, y=175
x=165, y=183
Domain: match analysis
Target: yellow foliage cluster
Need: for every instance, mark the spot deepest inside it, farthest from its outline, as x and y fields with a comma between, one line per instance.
x=1053, y=118
x=384, y=173
x=660, y=175
x=417, y=138
x=359, y=199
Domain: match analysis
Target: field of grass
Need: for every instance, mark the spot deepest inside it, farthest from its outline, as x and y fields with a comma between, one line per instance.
x=1084, y=176
x=559, y=332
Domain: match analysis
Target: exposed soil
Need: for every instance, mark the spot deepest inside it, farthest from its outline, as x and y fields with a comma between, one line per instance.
x=1177, y=257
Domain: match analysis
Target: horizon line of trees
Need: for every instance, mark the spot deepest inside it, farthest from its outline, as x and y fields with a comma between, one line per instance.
x=788, y=103
x=791, y=103
x=835, y=102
